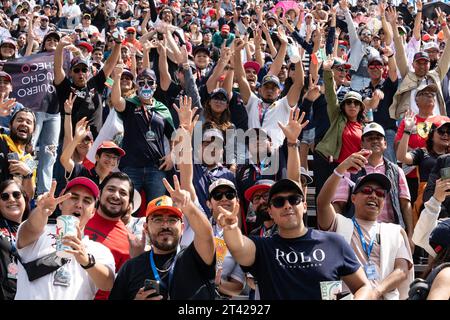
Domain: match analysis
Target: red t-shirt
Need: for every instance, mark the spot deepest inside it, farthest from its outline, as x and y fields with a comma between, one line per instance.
x=351, y=140
x=416, y=140
x=114, y=236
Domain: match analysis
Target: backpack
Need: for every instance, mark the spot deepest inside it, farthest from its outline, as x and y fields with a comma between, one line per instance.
x=419, y=288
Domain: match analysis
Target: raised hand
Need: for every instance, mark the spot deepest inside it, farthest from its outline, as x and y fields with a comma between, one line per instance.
x=440, y=191
x=47, y=202
x=186, y=113
x=118, y=70
x=356, y=161
x=181, y=198
x=391, y=15
x=81, y=129
x=419, y=5
x=441, y=15
x=228, y=220
x=343, y=4
x=313, y=92
x=410, y=120
x=387, y=51
x=68, y=104
x=282, y=35
x=137, y=246
x=328, y=64
x=65, y=41
x=294, y=126
x=239, y=44
x=6, y=105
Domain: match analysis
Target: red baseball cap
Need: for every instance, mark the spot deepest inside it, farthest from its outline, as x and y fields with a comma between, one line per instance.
x=86, y=45
x=439, y=121
x=131, y=29
x=3, y=74
x=85, y=182
x=252, y=65
x=264, y=184
x=163, y=205
x=105, y=145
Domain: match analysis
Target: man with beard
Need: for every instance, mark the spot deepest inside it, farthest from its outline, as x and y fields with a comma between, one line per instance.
x=15, y=162
x=106, y=226
x=181, y=273
x=146, y=122
x=258, y=195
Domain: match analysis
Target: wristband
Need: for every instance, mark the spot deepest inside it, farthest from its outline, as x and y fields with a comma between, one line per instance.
x=444, y=24
x=419, y=11
x=67, y=113
x=390, y=56
x=407, y=132
x=294, y=145
x=338, y=174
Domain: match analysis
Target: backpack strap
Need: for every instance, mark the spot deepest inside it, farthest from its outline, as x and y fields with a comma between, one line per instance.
x=436, y=271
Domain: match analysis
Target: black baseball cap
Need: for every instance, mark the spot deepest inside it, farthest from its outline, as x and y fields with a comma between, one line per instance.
x=440, y=236
x=378, y=178
x=285, y=185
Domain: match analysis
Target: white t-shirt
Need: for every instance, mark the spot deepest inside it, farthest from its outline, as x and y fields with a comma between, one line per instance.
x=81, y=286
x=277, y=111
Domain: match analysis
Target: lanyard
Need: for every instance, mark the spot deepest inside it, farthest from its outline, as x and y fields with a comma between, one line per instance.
x=262, y=112
x=156, y=273
x=366, y=249
x=12, y=241
x=263, y=229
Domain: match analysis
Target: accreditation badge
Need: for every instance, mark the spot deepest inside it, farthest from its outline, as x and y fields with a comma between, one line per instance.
x=150, y=135
x=13, y=270
x=371, y=271
x=62, y=277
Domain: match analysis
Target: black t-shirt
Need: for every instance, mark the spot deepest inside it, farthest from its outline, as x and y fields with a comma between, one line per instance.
x=8, y=231
x=88, y=102
x=192, y=278
x=143, y=139
x=381, y=113
x=125, y=15
x=425, y=161
x=287, y=269
x=81, y=171
x=170, y=97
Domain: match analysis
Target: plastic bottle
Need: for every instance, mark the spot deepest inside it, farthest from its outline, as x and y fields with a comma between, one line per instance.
x=369, y=115
x=293, y=54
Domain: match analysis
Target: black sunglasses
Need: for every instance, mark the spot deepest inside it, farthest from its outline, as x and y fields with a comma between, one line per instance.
x=230, y=195
x=441, y=132
x=294, y=200
x=77, y=70
x=130, y=32
x=16, y=195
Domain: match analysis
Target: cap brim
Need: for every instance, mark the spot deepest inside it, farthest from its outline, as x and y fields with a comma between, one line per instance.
x=378, y=178
x=173, y=210
x=271, y=81
x=248, y=194
x=283, y=186
x=118, y=149
x=308, y=178
x=84, y=182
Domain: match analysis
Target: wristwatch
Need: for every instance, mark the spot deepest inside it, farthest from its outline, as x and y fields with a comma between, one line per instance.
x=296, y=144
x=91, y=262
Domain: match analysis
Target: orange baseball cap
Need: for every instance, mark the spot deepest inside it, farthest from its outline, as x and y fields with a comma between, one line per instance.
x=111, y=145
x=163, y=205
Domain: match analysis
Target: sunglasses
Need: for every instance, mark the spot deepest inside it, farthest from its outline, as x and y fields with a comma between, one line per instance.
x=294, y=200
x=77, y=70
x=264, y=196
x=366, y=34
x=441, y=132
x=16, y=195
x=350, y=101
x=340, y=69
x=375, y=66
x=368, y=190
x=219, y=99
x=230, y=195
x=149, y=82
x=130, y=32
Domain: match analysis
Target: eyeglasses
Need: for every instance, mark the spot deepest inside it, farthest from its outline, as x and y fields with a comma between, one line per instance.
x=350, y=101
x=16, y=195
x=340, y=69
x=368, y=190
x=375, y=66
x=294, y=200
x=441, y=132
x=264, y=196
x=77, y=70
x=230, y=195
x=149, y=82
x=87, y=140
x=160, y=220
x=366, y=34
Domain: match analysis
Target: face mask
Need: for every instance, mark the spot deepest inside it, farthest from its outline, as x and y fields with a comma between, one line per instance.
x=146, y=92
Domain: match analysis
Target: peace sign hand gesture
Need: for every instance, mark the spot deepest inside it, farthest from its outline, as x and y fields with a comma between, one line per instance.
x=181, y=198
x=313, y=92
x=294, y=126
x=68, y=104
x=228, y=220
x=47, y=202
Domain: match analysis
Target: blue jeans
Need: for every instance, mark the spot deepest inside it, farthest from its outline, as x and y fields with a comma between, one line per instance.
x=46, y=134
x=147, y=178
x=390, y=152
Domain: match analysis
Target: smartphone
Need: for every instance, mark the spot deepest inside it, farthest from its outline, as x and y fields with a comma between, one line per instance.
x=160, y=36
x=152, y=284
x=13, y=156
x=445, y=173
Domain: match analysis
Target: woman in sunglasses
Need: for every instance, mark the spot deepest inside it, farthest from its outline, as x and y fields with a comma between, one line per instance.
x=425, y=158
x=14, y=208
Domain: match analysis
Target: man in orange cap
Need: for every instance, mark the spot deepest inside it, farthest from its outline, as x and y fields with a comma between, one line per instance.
x=172, y=272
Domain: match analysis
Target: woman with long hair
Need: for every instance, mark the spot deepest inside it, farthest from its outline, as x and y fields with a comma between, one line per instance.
x=343, y=138
x=194, y=34
x=14, y=208
x=437, y=144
